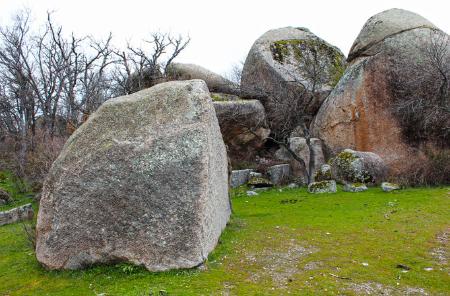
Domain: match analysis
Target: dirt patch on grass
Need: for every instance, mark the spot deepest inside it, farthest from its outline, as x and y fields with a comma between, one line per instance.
x=441, y=252
x=278, y=264
x=372, y=288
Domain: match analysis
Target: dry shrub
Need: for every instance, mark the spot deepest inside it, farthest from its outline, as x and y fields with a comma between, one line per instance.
x=434, y=169
x=38, y=160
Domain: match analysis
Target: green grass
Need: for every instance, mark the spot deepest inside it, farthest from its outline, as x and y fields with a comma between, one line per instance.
x=277, y=243
x=17, y=188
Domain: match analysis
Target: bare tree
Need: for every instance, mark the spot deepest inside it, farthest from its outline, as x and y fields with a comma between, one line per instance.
x=421, y=96
x=139, y=68
x=50, y=82
x=235, y=73
x=18, y=106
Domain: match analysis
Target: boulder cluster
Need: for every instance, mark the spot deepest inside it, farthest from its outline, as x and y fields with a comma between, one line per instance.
x=146, y=178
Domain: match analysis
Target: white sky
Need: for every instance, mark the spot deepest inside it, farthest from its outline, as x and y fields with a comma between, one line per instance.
x=222, y=31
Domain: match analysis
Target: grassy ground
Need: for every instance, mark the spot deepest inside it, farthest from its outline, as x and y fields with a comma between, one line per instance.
x=16, y=188
x=280, y=243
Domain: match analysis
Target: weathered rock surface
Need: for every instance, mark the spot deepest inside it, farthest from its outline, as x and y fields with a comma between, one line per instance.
x=239, y=177
x=387, y=187
x=214, y=81
x=18, y=214
x=300, y=148
x=384, y=25
x=351, y=166
x=275, y=69
x=358, y=112
x=5, y=197
x=323, y=173
x=328, y=186
x=355, y=187
x=259, y=182
x=243, y=127
x=279, y=174
x=143, y=180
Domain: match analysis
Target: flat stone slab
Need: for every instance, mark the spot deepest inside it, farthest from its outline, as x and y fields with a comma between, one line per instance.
x=18, y=214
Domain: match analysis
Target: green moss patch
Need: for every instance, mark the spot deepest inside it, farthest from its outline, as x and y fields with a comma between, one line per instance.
x=281, y=50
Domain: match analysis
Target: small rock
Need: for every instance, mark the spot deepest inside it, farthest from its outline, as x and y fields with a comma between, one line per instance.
x=5, y=197
x=387, y=187
x=255, y=175
x=355, y=187
x=279, y=174
x=251, y=193
x=323, y=174
x=239, y=177
x=428, y=268
x=365, y=264
x=322, y=187
x=21, y=213
x=258, y=182
x=292, y=186
x=402, y=266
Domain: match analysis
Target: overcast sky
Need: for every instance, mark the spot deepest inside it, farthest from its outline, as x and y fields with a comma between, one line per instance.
x=222, y=31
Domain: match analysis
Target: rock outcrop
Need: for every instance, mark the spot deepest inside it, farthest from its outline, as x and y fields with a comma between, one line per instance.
x=243, y=127
x=144, y=180
x=215, y=82
x=276, y=71
x=358, y=113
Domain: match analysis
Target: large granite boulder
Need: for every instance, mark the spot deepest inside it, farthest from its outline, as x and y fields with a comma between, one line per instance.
x=144, y=180
x=215, y=82
x=277, y=70
x=351, y=166
x=243, y=126
x=388, y=57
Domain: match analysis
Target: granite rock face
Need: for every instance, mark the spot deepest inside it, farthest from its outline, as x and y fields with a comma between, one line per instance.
x=358, y=114
x=276, y=71
x=279, y=174
x=144, y=180
x=239, y=177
